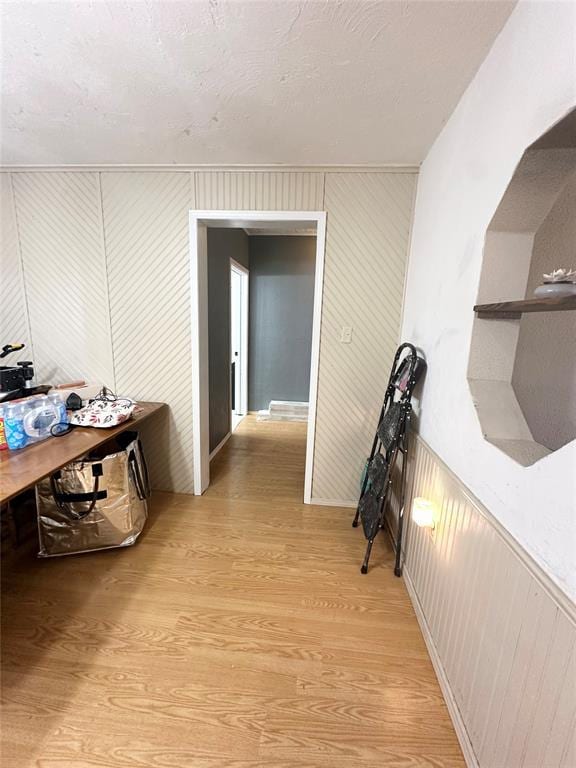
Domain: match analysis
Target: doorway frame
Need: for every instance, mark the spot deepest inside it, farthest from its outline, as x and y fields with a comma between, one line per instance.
x=244, y=273
x=199, y=222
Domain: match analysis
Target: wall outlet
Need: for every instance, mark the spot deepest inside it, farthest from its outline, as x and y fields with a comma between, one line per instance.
x=346, y=334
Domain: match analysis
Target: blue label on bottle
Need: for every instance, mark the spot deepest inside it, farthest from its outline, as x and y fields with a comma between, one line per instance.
x=15, y=435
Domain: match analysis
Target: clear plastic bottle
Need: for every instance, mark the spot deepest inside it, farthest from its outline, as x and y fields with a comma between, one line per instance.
x=29, y=418
x=39, y=415
x=60, y=407
x=14, y=426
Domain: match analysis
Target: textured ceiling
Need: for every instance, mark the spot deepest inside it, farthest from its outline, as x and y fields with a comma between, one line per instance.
x=242, y=82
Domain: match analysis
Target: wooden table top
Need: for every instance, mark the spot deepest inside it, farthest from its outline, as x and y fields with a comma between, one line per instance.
x=22, y=469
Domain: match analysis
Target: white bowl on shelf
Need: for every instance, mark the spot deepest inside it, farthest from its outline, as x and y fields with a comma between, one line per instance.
x=555, y=290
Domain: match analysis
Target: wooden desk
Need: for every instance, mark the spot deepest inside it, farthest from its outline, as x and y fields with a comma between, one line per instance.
x=22, y=469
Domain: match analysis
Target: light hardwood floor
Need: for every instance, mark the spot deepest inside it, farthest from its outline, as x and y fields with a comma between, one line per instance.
x=237, y=633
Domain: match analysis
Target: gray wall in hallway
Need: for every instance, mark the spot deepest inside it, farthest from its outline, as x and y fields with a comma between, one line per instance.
x=281, y=307
x=223, y=245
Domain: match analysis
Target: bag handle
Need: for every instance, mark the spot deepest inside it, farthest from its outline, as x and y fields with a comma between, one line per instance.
x=141, y=483
x=64, y=500
x=144, y=467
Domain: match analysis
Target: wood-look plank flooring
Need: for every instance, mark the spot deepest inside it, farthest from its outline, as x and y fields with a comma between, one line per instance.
x=237, y=633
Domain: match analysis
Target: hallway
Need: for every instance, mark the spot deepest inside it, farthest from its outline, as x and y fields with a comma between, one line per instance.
x=237, y=633
x=262, y=461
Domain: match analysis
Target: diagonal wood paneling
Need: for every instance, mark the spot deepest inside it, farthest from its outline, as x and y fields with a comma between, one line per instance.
x=146, y=235
x=60, y=227
x=13, y=312
x=504, y=634
x=368, y=227
x=259, y=190
x=144, y=281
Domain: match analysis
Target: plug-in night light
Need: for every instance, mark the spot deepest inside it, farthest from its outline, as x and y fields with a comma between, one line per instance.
x=423, y=512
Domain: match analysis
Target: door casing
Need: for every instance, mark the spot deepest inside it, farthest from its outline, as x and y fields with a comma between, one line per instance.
x=200, y=220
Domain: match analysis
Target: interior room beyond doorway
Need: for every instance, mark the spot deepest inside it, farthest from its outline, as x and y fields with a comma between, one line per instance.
x=260, y=309
x=256, y=305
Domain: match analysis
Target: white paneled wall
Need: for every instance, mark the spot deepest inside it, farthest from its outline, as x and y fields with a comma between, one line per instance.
x=146, y=231
x=368, y=227
x=502, y=635
x=61, y=243
x=105, y=258
x=259, y=190
x=13, y=312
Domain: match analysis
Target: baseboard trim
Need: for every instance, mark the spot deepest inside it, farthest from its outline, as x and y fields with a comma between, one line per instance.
x=334, y=503
x=457, y=720
x=220, y=445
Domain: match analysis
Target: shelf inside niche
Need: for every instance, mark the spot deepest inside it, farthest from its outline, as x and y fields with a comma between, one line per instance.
x=513, y=310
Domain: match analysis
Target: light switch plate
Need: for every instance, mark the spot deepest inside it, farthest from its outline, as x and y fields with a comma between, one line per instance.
x=346, y=334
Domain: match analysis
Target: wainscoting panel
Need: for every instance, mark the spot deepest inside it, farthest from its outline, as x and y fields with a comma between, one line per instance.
x=146, y=232
x=60, y=228
x=368, y=226
x=13, y=312
x=259, y=190
x=503, y=635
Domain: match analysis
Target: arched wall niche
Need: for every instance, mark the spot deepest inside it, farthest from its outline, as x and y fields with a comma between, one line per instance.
x=522, y=371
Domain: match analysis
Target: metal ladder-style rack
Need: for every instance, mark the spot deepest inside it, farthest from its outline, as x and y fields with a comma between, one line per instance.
x=390, y=440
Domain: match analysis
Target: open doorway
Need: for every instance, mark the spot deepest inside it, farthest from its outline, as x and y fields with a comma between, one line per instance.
x=272, y=222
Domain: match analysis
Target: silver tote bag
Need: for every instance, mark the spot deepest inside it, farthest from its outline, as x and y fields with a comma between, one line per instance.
x=94, y=503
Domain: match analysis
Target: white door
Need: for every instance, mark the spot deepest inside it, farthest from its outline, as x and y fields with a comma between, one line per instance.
x=238, y=343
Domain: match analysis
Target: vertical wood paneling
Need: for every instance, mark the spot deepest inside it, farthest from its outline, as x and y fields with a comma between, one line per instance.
x=493, y=711
x=488, y=673
x=146, y=235
x=13, y=314
x=556, y=671
x=560, y=739
x=504, y=636
x=509, y=728
x=532, y=664
x=260, y=190
x=60, y=229
x=368, y=224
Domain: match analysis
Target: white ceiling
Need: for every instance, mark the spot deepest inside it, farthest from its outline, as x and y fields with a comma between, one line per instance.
x=241, y=82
